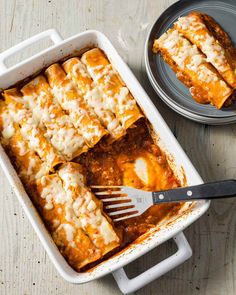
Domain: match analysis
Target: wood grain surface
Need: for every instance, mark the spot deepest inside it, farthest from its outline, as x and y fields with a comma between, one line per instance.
x=24, y=266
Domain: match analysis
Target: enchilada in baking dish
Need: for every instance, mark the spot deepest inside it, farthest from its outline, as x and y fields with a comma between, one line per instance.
x=202, y=56
x=74, y=125
x=74, y=217
x=93, y=96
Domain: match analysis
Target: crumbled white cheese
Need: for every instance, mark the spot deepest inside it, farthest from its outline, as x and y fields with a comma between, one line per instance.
x=209, y=45
x=69, y=230
x=8, y=131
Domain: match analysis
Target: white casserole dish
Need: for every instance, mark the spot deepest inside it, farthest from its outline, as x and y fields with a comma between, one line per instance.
x=61, y=49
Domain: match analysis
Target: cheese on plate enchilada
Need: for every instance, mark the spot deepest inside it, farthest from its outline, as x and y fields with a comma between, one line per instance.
x=203, y=57
x=194, y=28
x=192, y=68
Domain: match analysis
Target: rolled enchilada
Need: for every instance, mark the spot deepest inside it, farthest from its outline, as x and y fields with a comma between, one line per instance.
x=74, y=216
x=56, y=208
x=88, y=209
x=59, y=128
x=27, y=163
x=66, y=92
x=30, y=129
x=93, y=96
x=117, y=96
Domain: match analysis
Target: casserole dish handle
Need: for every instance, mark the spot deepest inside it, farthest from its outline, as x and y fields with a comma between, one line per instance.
x=52, y=34
x=127, y=285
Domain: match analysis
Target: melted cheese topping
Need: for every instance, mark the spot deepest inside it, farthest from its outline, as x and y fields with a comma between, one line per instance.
x=123, y=101
x=187, y=55
x=69, y=230
x=8, y=124
x=71, y=177
x=117, y=97
x=59, y=128
x=107, y=232
x=22, y=147
x=93, y=96
x=52, y=192
x=8, y=131
x=42, y=171
x=68, y=189
x=79, y=115
x=99, y=71
x=190, y=22
x=64, y=136
x=107, y=72
x=66, y=92
x=209, y=45
x=31, y=166
x=85, y=207
x=81, y=69
x=29, y=128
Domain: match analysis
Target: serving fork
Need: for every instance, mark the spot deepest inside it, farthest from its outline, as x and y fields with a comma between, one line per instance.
x=123, y=202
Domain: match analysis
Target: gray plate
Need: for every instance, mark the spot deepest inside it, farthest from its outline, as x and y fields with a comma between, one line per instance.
x=164, y=80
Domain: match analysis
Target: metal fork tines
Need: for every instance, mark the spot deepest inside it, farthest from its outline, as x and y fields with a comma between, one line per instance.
x=122, y=202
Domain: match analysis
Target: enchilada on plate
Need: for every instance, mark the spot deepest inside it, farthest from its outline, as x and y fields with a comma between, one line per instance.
x=202, y=55
x=193, y=69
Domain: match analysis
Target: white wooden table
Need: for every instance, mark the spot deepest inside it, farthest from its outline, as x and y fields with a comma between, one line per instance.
x=24, y=265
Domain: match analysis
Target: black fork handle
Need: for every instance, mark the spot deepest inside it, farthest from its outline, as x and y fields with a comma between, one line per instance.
x=207, y=191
